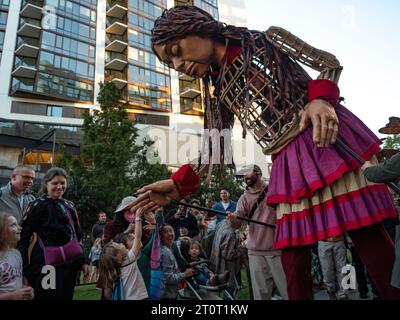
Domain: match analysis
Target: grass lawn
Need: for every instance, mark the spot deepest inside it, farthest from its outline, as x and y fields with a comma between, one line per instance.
x=89, y=292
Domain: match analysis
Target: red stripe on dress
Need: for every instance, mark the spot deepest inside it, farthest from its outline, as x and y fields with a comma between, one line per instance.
x=346, y=197
x=329, y=179
x=333, y=231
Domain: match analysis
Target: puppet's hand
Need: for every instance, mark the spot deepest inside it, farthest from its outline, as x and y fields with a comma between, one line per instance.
x=156, y=195
x=324, y=120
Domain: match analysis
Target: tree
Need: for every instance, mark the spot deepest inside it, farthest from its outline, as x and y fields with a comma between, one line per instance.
x=145, y=171
x=392, y=142
x=112, y=165
x=212, y=190
x=108, y=148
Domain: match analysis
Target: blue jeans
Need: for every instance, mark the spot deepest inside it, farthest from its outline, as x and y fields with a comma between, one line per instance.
x=201, y=278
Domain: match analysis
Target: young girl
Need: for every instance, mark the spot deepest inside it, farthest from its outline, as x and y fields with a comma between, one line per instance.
x=11, y=287
x=94, y=257
x=204, y=275
x=118, y=260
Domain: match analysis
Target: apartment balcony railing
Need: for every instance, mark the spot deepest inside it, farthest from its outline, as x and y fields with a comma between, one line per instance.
x=27, y=47
x=117, y=9
x=116, y=26
x=32, y=9
x=116, y=61
x=21, y=86
x=119, y=78
x=25, y=68
x=29, y=28
x=116, y=43
x=194, y=108
x=190, y=91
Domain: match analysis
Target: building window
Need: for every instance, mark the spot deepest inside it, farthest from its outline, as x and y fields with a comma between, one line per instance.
x=1, y=39
x=54, y=111
x=3, y=19
x=80, y=112
x=141, y=118
x=4, y=3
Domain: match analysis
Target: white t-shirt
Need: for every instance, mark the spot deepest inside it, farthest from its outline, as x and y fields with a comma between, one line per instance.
x=134, y=287
x=225, y=204
x=10, y=271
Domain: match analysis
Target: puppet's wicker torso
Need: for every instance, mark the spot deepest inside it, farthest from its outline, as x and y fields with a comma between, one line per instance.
x=272, y=109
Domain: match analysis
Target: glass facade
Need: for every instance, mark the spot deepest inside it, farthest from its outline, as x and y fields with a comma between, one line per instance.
x=65, y=61
x=54, y=111
x=60, y=62
x=4, y=4
x=211, y=6
x=148, y=79
x=189, y=88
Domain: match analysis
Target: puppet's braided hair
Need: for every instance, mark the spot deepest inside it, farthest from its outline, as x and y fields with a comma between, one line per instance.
x=182, y=21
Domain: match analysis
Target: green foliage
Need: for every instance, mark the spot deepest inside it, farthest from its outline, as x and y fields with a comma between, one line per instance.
x=146, y=171
x=227, y=180
x=111, y=165
x=392, y=142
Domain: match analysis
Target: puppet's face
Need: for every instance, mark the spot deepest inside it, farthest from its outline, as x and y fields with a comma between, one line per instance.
x=191, y=55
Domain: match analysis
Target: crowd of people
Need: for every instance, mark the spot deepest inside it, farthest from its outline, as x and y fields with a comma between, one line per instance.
x=214, y=248
x=319, y=205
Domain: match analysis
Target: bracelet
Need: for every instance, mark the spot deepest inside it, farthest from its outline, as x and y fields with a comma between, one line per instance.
x=138, y=219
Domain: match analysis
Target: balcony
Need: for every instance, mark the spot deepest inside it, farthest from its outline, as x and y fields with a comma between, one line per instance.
x=116, y=61
x=25, y=68
x=27, y=47
x=185, y=77
x=116, y=44
x=190, y=91
x=192, y=108
x=117, y=9
x=119, y=78
x=32, y=9
x=116, y=26
x=22, y=86
x=30, y=28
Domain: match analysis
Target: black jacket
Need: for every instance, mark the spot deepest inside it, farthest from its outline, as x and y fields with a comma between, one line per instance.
x=46, y=218
x=186, y=220
x=97, y=230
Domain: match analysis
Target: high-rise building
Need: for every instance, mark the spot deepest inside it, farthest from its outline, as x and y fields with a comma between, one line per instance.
x=54, y=53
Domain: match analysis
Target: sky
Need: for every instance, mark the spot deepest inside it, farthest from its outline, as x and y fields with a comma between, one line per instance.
x=363, y=34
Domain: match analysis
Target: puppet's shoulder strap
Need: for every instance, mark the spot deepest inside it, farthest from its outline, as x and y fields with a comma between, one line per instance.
x=324, y=62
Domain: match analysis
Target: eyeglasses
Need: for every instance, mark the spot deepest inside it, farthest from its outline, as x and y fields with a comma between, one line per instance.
x=26, y=177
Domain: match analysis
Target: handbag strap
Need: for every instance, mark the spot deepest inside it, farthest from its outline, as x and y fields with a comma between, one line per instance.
x=259, y=200
x=71, y=223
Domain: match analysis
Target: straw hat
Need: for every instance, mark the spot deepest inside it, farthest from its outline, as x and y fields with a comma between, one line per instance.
x=125, y=203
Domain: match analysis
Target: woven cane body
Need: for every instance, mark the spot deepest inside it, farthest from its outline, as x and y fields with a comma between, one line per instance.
x=272, y=113
x=319, y=60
